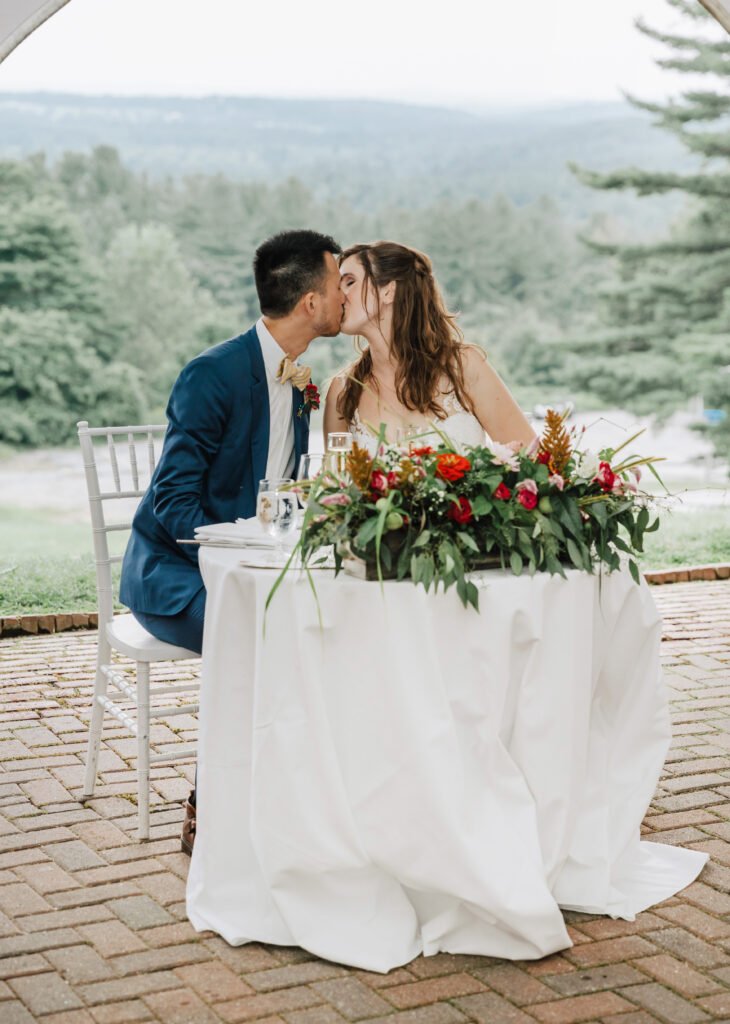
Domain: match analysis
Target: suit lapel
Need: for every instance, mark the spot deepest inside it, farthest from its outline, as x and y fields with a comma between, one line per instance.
x=260, y=414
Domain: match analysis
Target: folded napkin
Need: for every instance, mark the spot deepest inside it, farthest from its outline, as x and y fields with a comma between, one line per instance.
x=242, y=533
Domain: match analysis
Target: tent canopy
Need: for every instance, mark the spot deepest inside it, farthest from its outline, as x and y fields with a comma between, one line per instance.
x=18, y=18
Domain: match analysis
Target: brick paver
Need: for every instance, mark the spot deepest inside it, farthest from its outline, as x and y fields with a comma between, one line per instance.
x=93, y=927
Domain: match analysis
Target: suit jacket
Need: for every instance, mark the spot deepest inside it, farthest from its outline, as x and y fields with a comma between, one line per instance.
x=214, y=454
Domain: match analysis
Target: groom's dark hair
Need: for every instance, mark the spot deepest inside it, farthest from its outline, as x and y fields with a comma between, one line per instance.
x=289, y=265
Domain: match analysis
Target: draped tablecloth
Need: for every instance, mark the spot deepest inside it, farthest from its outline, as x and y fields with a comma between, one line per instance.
x=411, y=776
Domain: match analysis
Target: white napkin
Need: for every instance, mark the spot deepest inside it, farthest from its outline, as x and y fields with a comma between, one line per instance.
x=242, y=533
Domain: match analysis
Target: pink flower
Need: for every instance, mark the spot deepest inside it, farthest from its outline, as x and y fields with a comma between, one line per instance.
x=504, y=455
x=527, y=485
x=635, y=472
x=527, y=499
x=557, y=481
x=379, y=481
x=335, y=499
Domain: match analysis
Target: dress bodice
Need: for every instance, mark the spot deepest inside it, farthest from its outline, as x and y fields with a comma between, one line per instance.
x=459, y=425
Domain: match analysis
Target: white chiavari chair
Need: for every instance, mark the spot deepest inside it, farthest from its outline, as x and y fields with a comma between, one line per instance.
x=129, y=463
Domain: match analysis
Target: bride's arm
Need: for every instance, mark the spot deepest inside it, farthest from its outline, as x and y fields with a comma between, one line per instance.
x=496, y=409
x=333, y=422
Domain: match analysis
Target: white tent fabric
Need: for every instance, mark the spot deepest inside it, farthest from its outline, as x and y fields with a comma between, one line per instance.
x=18, y=18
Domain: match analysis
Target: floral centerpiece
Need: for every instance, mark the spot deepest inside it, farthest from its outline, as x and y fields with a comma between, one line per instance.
x=433, y=514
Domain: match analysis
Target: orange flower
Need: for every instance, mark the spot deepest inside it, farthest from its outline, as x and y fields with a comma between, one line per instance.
x=452, y=467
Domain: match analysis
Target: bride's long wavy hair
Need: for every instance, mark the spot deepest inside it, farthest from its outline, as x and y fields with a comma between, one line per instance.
x=426, y=343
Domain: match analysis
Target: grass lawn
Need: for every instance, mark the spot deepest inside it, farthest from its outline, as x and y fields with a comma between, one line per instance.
x=46, y=565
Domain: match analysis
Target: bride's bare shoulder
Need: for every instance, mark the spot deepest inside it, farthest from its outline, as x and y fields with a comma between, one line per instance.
x=474, y=361
x=335, y=385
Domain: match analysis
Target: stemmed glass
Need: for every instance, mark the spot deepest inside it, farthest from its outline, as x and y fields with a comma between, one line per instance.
x=276, y=510
x=338, y=447
x=406, y=435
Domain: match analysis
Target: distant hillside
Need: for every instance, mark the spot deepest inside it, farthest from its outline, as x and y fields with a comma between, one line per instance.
x=372, y=153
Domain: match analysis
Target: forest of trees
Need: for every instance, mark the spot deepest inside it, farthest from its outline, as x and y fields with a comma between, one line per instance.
x=109, y=282
x=110, y=279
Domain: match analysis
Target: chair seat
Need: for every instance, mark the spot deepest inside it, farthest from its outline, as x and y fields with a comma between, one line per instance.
x=127, y=636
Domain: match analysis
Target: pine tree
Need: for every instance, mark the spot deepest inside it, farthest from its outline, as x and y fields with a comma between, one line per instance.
x=667, y=316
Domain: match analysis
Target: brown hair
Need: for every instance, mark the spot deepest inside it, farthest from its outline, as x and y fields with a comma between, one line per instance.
x=426, y=342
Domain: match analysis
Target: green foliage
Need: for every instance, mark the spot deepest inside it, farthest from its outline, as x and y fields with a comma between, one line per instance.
x=666, y=316
x=151, y=273
x=162, y=327
x=50, y=377
x=42, y=260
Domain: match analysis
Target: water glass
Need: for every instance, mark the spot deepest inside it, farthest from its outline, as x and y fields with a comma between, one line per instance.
x=276, y=509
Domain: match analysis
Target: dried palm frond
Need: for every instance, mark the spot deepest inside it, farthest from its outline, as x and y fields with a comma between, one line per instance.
x=408, y=474
x=360, y=466
x=555, y=441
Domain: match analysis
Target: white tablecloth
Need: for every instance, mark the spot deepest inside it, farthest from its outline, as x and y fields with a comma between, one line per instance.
x=416, y=777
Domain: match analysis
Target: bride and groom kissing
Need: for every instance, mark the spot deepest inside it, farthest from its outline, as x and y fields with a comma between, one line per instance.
x=239, y=412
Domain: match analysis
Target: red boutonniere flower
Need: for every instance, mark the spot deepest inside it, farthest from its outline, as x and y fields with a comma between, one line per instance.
x=310, y=399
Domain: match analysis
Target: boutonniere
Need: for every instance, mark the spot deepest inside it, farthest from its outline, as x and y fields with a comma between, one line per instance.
x=310, y=399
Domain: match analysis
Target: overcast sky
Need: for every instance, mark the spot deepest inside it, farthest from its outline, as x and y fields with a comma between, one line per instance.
x=455, y=52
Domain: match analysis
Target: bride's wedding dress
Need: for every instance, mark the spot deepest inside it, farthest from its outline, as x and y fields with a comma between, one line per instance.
x=460, y=426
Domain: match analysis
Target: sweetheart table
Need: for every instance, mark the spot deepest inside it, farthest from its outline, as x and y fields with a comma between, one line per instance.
x=410, y=776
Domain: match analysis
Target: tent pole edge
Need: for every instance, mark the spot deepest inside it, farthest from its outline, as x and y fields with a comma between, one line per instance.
x=29, y=25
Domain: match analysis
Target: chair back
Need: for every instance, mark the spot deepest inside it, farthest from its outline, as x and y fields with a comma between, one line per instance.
x=118, y=464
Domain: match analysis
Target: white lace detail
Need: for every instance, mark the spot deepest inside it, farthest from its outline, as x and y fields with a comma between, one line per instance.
x=461, y=427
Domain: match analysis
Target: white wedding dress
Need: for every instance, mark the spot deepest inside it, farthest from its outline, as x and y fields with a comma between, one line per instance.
x=460, y=426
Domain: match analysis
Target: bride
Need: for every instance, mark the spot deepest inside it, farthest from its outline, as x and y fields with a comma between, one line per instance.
x=414, y=370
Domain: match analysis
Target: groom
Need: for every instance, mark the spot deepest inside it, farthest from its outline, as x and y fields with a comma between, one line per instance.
x=237, y=414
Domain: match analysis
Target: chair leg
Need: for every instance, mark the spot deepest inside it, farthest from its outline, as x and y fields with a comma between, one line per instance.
x=103, y=657
x=143, y=749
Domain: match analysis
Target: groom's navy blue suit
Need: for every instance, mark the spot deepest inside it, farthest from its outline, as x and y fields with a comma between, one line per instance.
x=214, y=454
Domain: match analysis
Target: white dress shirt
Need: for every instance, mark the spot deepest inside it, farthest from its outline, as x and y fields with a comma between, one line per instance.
x=280, y=462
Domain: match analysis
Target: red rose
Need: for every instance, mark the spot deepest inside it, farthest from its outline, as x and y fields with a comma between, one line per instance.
x=502, y=492
x=452, y=467
x=605, y=476
x=543, y=457
x=392, y=478
x=528, y=499
x=460, y=511
x=379, y=482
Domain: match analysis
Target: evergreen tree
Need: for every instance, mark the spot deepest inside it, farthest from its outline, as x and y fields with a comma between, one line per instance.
x=666, y=319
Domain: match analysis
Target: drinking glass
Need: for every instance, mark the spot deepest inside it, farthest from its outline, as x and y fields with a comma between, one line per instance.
x=310, y=466
x=338, y=447
x=276, y=509
x=406, y=435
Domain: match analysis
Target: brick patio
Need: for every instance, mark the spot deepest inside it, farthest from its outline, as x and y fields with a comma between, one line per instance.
x=93, y=927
